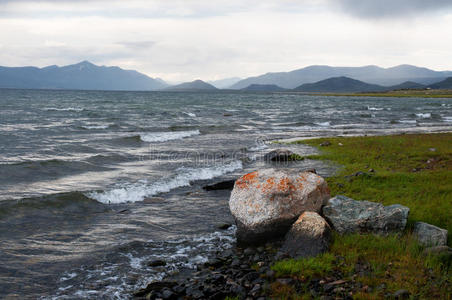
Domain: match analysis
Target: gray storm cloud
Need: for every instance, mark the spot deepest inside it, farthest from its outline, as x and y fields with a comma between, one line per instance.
x=391, y=8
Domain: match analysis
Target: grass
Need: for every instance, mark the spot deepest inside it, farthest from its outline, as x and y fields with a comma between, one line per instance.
x=412, y=170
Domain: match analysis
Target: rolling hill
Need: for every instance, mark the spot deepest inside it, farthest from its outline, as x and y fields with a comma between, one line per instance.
x=197, y=85
x=339, y=85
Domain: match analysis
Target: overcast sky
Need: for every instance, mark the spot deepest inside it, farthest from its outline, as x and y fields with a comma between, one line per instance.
x=181, y=40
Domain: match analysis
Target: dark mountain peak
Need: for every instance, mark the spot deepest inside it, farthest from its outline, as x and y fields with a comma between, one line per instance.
x=445, y=84
x=340, y=84
x=196, y=85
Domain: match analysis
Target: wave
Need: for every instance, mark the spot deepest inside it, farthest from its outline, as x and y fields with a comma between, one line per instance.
x=139, y=191
x=407, y=121
x=190, y=114
x=94, y=126
x=153, y=137
x=77, y=109
x=447, y=119
x=375, y=108
x=323, y=124
x=73, y=202
x=424, y=115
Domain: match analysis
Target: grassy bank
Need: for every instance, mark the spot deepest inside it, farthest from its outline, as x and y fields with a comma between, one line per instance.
x=412, y=170
x=399, y=94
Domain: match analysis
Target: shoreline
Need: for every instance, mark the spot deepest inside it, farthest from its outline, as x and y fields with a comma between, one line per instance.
x=250, y=273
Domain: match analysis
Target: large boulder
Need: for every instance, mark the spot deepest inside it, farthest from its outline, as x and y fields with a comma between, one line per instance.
x=309, y=236
x=430, y=235
x=265, y=203
x=350, y=216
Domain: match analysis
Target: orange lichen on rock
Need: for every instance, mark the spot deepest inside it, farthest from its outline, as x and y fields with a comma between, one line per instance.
x=246, y=180
x=285, y=185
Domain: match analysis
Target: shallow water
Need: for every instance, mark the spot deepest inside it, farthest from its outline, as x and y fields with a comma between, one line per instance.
x=79, y=170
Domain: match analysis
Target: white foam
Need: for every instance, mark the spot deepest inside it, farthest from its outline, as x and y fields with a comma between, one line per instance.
x=424, y=115
x=153, y=137
x=447, y=119
x=323, y=124
x=407, y=121
x=64, y=109
x=190, y=114
x=95, y=126
x=139, y=191
x=375, y=108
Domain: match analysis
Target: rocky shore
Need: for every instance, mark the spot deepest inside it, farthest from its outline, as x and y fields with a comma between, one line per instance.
x=289, y=214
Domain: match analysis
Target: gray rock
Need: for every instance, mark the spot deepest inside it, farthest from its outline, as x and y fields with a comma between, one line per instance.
x=430, y=235
x=265, y=203
x=279, y=155
x=402, y=294
x=350, y=216
x=309, y=236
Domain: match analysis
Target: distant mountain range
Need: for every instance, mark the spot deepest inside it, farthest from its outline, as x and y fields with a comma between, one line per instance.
x=87, y=76
x=81, y=76
x=369, y=74
x=197, y=85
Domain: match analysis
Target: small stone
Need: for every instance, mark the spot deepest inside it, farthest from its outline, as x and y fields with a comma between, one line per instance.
x=432, y=149
x=157, y=263
x=255, y=290
x=224, y=226
x=167, y=294
x=270, y=274
x=340, y=144
x=235, y=263
x=402, y=294
x=325, y=144
x=285, y=281
x=248, y=251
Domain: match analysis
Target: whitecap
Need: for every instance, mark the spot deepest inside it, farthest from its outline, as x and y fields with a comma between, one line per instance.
x=190, y=114
x=424, y=115
x=323, y=124
x=153, y=137
x=407, y=121
x=447, y=119
x=375, y=108
x=139, y=191
x=94, y=126
x=64, y=109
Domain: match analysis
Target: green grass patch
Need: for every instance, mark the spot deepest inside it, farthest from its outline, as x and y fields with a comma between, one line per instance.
x=412, y=170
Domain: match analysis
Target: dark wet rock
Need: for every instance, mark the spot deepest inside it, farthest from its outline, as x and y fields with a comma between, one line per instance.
x=350, y=216
x=325, y=144
x=265, y=203
x=124, y=211
x=155, y=286
x=311, y=170
x=309, y=236
x=224, y=185
x=224, y=226
x=214, y=262
x=248, y=251
x=235, y=263
x=157, y=263
x=270, y=274
x=250, y=277
x=167, y=294
x=227, y=114
x=284, y=281
x=279, y=155
x=402, y=294
x=430, y=235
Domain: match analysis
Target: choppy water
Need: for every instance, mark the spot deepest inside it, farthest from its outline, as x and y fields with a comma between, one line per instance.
x=94, y=185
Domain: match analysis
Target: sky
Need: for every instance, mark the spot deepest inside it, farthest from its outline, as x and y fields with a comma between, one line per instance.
x=182, y=40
